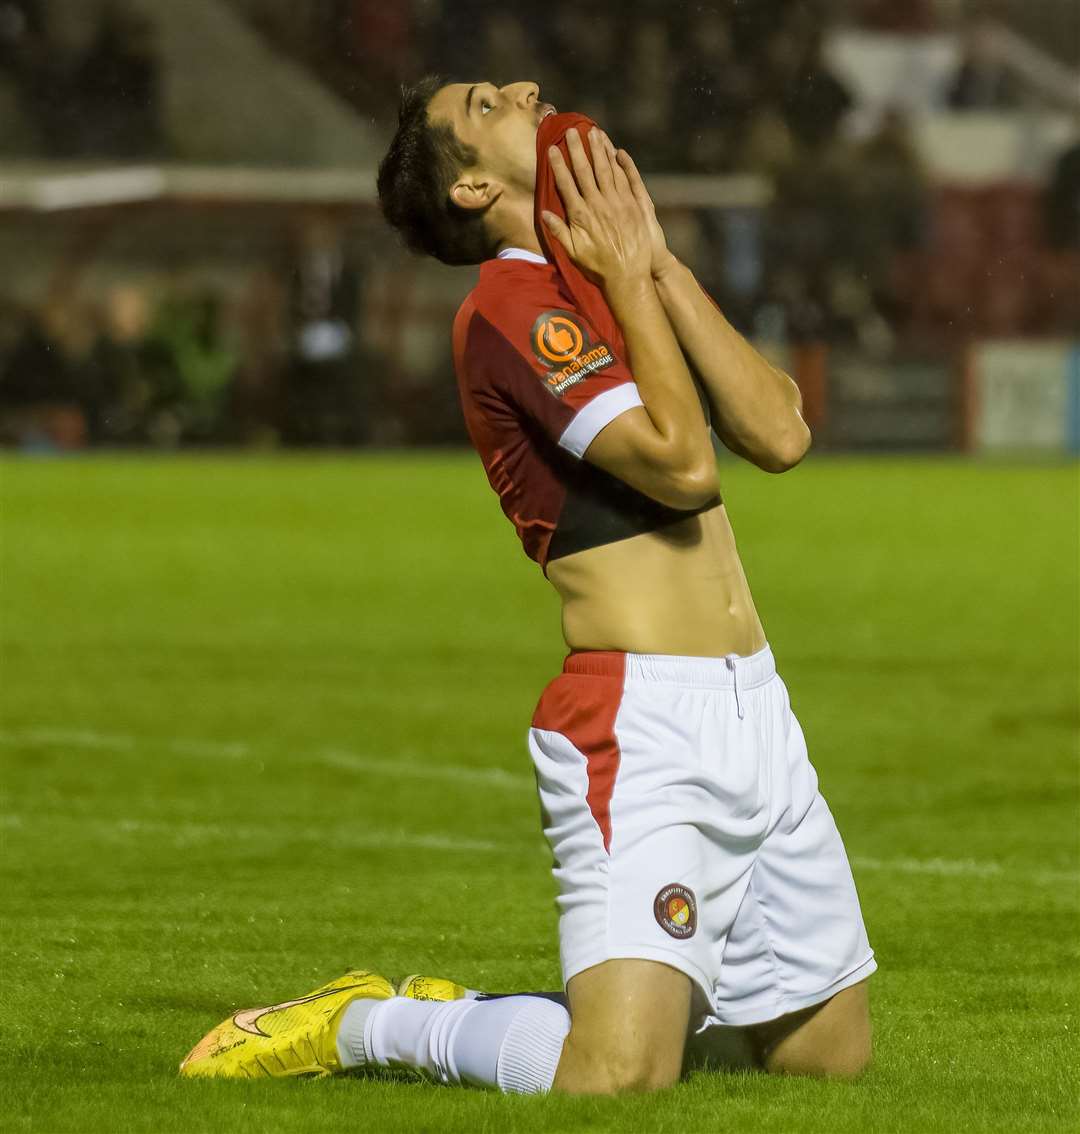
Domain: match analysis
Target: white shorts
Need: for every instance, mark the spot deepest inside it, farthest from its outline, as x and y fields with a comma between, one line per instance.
x=687, y=827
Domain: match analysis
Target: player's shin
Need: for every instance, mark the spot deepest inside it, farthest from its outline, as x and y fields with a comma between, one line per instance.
x=512, y=1043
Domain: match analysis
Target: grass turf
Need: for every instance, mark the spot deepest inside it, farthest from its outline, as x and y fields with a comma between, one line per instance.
x=264, y=719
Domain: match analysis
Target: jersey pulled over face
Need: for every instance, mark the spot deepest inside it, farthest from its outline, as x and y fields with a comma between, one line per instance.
x=537, y=384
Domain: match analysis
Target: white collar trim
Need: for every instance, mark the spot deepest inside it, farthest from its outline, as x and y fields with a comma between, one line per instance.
x=521, y=254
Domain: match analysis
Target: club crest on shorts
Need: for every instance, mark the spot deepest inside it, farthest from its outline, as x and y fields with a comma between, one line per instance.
x=675, y=910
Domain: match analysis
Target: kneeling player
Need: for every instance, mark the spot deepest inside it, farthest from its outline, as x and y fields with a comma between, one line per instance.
x=703, y=884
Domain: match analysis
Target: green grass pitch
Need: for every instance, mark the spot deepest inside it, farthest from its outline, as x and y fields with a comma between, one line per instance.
x=264, y=718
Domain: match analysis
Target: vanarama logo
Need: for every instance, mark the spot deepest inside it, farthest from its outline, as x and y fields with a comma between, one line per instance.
x=563, y=346
x=558, y=338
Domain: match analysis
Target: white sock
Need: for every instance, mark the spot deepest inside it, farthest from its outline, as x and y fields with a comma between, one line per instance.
x=513, y=1043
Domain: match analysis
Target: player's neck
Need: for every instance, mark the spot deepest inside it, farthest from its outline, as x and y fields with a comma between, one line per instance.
x=529, y=243
x=518, y=229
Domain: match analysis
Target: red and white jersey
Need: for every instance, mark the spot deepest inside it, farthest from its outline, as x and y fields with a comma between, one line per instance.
x=537, y=384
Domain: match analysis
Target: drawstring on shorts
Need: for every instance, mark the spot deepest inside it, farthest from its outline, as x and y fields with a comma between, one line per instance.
x=730, y=659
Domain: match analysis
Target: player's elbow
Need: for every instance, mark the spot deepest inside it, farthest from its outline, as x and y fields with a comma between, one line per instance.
x=787, y=449
x=693, y=486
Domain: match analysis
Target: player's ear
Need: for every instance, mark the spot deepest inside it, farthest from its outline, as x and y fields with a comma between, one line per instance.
x=475, y=191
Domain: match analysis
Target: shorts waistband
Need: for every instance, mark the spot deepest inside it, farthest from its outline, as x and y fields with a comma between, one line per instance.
x=727, y=672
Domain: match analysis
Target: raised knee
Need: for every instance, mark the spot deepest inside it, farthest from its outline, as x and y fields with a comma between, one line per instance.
x=852, y=1057
x=619, y=1075
x=626, y=1073
x=855, y=1060
x=586, y=1070
x=848, y=1061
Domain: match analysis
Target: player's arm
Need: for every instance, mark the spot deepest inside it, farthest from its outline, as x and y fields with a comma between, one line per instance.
x=756, y=408
x=662, y=448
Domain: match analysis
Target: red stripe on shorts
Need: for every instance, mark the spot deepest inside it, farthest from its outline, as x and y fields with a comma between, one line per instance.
x=581, y=704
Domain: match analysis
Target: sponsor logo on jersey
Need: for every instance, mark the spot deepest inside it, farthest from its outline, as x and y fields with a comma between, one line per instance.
x=564, y=348
x=558, y=338
x=675, y=909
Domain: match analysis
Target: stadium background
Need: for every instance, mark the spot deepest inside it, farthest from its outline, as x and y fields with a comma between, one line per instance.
x=269, y=651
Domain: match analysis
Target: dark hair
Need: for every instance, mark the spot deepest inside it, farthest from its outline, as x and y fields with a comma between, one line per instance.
x=415, y=176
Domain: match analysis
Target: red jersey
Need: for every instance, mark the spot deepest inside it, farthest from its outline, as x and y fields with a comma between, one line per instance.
x=537, y=384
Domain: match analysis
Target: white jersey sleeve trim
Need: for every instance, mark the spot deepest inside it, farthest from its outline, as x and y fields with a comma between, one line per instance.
x=594, y=415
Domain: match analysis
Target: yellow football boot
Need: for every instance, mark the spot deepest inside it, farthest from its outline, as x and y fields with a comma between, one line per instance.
x=295, y=1037
x=431, y=988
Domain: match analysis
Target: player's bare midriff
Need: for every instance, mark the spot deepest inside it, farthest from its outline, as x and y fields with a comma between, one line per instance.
x=678, y=590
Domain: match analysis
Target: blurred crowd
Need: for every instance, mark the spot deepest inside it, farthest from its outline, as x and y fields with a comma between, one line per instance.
x=275, y=362
x=713, y=86
x=99, y=99
x=736, y=87
x=856, y=248
x=694, y=88
x=118, y=375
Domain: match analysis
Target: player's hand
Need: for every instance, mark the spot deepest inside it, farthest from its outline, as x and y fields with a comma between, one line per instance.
x=605, y=232
x=662, y=259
